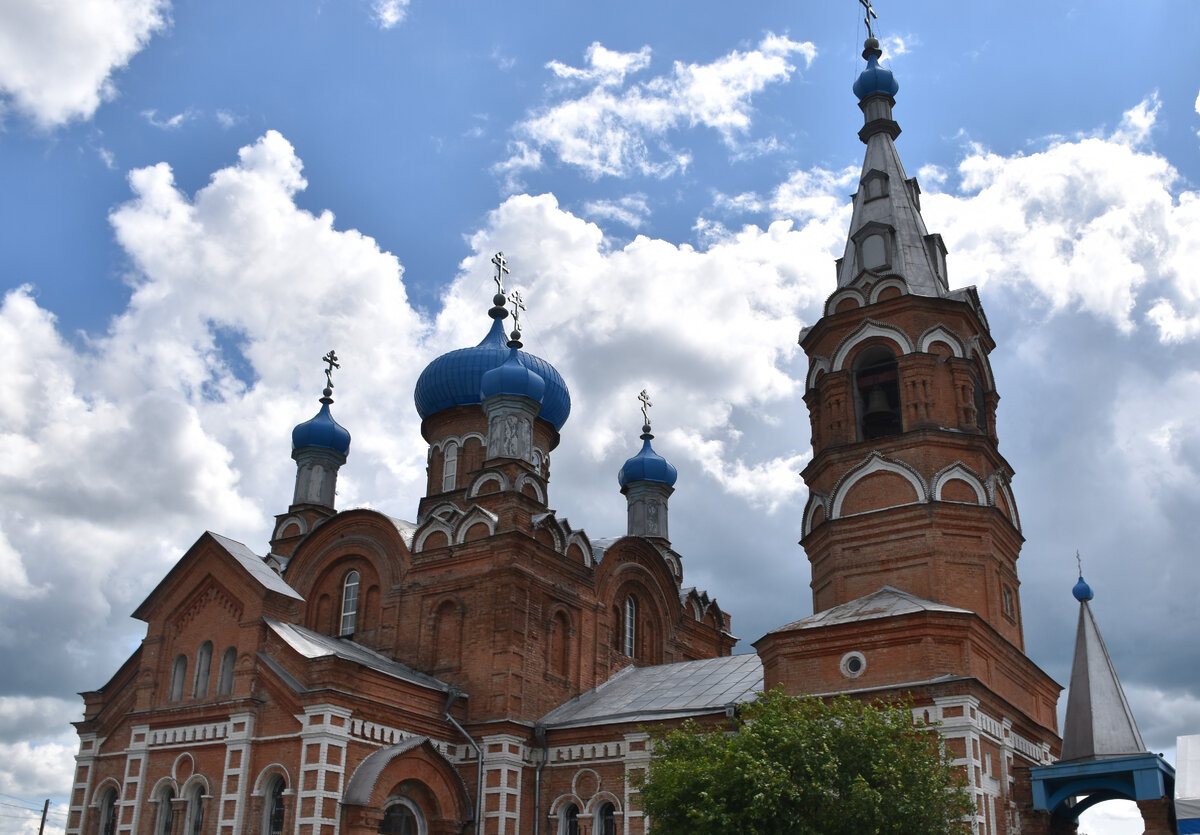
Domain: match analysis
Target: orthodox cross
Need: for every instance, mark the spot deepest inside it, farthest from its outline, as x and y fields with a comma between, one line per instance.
x=869, y=16
x=331, y=360
x=1079, y=562
x=518, y=304
x=646, y=404
x=501, y=271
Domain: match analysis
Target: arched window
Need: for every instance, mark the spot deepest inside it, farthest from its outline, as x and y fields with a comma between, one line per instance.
x=568, y=820
x=629, y=644
x=195, y=810
x=560, y=653
x=178, y=673
x=349, y=604
x=877, y=382
x=401, y=818
x=606, y=820
x=450, y=467
x=225, y=674
x=981, y=415
x=165, y=819
x=203, y=666
x=108, y=812
x=273, y=808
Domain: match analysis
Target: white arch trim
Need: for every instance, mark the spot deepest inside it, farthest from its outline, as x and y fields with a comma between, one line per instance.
x=431, y=526
x=940, y=333
x=1000, y=485
x=898, y=283
x=260, y=784
x=105, y=784
x=599, y=799
x=457, y=439
x=816, y=366
x=580, y=538
x=526, y=478
x=815, y=502
x=976, y=353
x=868, y=330
x=959, y=472
x=487, y=478
x=841, y=295
x=476, y=516
x=876, y=463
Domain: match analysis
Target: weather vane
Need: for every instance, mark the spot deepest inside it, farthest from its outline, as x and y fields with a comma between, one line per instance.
x=518, y=304
x=331, y=360
x=646, y=404
x=869, y=16
x=501, y=271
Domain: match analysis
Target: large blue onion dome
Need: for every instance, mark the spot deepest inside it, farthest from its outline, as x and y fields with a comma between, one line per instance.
x=322, y=431
x=456, y=378
x=1082, y=591
x=513, y=378
x=647, y=465
x=874, y=79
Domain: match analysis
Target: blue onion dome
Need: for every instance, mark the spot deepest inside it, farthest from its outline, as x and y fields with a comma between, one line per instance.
x=322, y=431
x=513, y=378
x=874, y=79
x=456, y=378
x=647, y=465
x=1082, y=591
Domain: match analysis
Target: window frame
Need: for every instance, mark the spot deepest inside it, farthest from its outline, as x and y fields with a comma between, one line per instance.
x=348, y=619
x=629, y=631
x=203, y=671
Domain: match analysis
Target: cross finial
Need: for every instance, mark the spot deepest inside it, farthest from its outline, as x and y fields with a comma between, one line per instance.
x=331, y=361
x=518, y=304
x=1079, y=562
x=646, y=404
x=868, y=16
x=501, y=270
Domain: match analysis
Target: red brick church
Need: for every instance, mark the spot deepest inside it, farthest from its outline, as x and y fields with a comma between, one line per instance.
x=488, y=668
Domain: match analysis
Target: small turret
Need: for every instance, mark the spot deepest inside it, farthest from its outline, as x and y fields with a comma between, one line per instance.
x=647, y=480
x=512, y=396
x=319, y=448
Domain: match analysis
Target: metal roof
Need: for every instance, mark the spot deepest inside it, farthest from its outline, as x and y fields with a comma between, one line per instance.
x=256, y=566
x=886, y=603
x=314, y=645
x=687, y=688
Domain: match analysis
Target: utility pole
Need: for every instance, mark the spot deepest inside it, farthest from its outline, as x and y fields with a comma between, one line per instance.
x=45, y=809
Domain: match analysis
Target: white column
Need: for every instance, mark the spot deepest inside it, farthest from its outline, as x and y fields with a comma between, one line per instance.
x=321, y=781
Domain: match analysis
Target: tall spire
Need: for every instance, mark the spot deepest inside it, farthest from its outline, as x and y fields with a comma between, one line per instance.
x=887, y=234
x=1099, y=723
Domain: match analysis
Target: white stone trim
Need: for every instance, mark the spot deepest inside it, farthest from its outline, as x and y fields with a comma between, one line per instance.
x=529, y=478
x=488, y=478
x=476, y=516
x=940, y=333
x=876, y=463
x=958, y=471
x=841, y=295
x=816, y=365
x=816, y=501
x=868, y=330
x=890, y=281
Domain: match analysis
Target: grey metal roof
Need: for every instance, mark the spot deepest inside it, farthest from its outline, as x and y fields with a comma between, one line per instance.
x=1099, y=722
x=687, y=688
x=362, y=784
x=886, y=603
x=407, y=529
x=312, y=644
x=256, y=566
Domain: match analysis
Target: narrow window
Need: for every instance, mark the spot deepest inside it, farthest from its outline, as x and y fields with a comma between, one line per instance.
x=559, y=646
x=195, y=818
x=606, y=821
x=203, y=666
x=108, y=812
x=630, y=626
x=349, y=604
x=178, y=672
x=273, y=811
x=1006, y=596
x=166, y=811
x=450, y=467
x=399, y=820
x=981, y=415
x=225, y=675
x=877, y=381
x=568, y=820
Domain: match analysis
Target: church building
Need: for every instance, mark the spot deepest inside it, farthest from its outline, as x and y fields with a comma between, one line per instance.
x=489, y=668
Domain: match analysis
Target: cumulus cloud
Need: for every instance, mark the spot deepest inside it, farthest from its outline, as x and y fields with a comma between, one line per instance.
x=617, y=129
x=631, y=210
x=389, y=13
x=58, y=57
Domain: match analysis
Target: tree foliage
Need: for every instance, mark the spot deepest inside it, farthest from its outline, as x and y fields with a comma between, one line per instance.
x=804, y=766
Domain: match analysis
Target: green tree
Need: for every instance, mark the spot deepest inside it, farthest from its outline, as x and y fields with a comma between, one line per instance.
x=805, y=766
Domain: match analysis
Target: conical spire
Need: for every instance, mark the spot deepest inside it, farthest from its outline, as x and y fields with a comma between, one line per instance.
x=887, y=234
x=1099, y=723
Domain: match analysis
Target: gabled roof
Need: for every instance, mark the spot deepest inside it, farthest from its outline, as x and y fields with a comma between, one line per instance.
x=255, y=567
x=665, y=691
x=1099, y=722
x=313, y=645
x=886, y=603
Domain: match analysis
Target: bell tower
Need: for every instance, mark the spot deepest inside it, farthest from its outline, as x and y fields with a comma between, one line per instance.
x=911, y=527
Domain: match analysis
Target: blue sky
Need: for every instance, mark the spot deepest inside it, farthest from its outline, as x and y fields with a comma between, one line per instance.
x=200, y=198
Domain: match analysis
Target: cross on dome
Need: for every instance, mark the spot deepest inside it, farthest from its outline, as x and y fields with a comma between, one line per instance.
x=869, y=16
x=518, y=304
x=501, y=270
x=646, y=404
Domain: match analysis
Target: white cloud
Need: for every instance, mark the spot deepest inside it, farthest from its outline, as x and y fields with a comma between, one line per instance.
x=169, y=123
x=631, y=210
x=617, y=130
x=389, y=13
x=58, y=57
x=226, y=119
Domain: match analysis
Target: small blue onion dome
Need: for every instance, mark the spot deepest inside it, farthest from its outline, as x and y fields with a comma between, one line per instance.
x=647, y=465
x=874, y=79
x=322, y=431
x=455, y=379
x=1082, y=591
x=513, y=378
